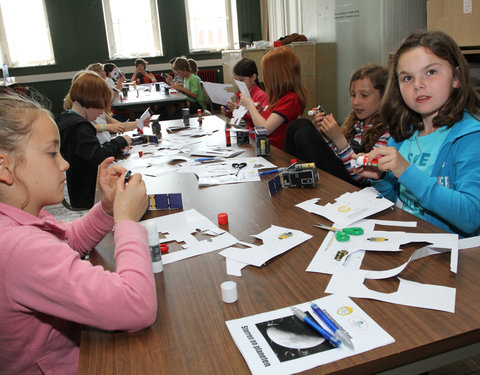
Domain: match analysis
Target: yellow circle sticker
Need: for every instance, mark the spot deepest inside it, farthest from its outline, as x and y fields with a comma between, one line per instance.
x=344, y=209
x=344, y=310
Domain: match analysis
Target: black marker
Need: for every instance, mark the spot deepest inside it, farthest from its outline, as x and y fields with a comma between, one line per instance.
x=127, y=176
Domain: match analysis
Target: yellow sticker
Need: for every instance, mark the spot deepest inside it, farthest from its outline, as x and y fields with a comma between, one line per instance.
x=344, y=310
x=344, y=209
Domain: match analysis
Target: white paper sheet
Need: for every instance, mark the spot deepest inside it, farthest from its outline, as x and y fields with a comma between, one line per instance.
x=277, y=343
x=276, y=241
x=180, y=227
x=218, y=92
x=349, y=207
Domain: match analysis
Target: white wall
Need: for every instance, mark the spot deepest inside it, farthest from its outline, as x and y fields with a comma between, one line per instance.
x=365, y=31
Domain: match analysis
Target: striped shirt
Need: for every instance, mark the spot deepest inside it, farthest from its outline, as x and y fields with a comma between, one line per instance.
x=346, y=154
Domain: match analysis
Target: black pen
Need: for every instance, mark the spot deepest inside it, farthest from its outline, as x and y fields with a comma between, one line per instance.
x=127, y=176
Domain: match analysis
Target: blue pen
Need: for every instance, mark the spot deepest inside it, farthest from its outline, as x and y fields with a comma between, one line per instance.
x=306, y=319
x=203, y=159
x=338, y=331
x=272, y=171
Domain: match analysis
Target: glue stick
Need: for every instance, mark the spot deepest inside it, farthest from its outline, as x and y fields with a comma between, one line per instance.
x=154, y=245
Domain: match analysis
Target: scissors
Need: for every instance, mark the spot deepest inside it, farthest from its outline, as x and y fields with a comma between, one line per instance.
x=342, y=235
x=238, y=166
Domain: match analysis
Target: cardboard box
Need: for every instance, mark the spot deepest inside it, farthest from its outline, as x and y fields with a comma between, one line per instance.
x=458, y=18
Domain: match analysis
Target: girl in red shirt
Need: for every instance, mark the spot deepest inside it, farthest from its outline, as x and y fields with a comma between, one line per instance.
x=286, y=93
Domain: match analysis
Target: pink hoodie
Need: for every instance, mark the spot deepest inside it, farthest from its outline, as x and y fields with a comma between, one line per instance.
x=47, y=292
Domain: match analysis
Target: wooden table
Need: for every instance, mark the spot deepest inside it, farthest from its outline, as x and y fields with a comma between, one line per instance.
x=190, y=335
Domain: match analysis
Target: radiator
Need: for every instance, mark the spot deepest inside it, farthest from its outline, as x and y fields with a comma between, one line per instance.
x=208, y=75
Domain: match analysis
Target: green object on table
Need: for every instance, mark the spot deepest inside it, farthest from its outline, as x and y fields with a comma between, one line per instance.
x=344, y=234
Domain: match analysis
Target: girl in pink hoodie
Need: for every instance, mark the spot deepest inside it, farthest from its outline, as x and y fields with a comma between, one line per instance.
x=47, y=292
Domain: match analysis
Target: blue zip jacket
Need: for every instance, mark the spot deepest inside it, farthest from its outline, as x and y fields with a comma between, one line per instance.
x=451, y=195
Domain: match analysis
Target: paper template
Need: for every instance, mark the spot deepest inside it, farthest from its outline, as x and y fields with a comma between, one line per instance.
x=349, y=207
x=242, y=87
x=143, y=117
x=349, y=281
x=277, y=343
x=276, y=240
x=224, y=172
x=218, y=92
x=237, y=115
x=180, y=227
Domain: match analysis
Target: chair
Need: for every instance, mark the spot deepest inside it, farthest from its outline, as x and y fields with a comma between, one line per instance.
x=208, y=101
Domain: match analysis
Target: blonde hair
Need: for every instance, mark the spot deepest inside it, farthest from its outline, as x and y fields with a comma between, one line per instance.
x=17, y=115
x=95, y=67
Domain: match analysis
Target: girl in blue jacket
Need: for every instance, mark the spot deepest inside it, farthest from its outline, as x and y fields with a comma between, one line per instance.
x=431, y=168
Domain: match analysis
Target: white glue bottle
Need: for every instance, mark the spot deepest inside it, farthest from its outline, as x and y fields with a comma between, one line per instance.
x=154, y=245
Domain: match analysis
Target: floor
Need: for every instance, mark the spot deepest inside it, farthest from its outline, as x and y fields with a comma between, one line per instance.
x=470, y=366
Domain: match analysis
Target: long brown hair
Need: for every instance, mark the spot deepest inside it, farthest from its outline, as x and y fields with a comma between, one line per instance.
x=401, y=120
x=378, y=76
x=281, y=74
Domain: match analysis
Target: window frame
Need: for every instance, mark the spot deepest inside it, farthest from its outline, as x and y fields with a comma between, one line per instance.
x=5, y=49
x=110, y=34
x=231, y=25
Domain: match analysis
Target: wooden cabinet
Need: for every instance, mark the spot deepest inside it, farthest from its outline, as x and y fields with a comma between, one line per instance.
x=319, y=70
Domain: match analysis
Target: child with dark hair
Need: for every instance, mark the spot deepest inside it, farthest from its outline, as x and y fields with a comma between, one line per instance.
x=431, y=167
x=141, y=74
x=246, y=71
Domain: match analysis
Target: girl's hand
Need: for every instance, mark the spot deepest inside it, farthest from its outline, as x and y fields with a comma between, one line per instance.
x=131, y=199
x=176, y=85
x=318, y=120
x=367, y=171
x=115, y=128
x=107, y=182
x=128, y=139
x=231, y=106
x=390, y=161
x=146, y=122
x=330, y=128
x=247, y=102
x=130, y=125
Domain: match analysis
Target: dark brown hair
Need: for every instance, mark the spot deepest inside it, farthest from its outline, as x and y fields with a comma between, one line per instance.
x=378, y=76
x=141, y=62
x=281, y=74
x=401, y=120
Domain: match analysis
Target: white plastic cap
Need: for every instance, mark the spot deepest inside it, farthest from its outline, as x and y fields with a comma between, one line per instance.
x=229, y=291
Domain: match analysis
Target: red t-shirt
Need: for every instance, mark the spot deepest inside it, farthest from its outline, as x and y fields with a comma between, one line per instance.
x=289, y=107
x=258, y=96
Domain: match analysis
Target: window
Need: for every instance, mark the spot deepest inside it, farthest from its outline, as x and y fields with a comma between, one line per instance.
x=24, y=33
x=132, y=34
x=212, y=24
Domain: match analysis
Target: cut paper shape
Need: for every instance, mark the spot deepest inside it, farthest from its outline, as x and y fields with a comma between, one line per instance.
x=349, y=207
x=219, y=93
x=182, y=226
x=350, y=282
x=274, y=244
